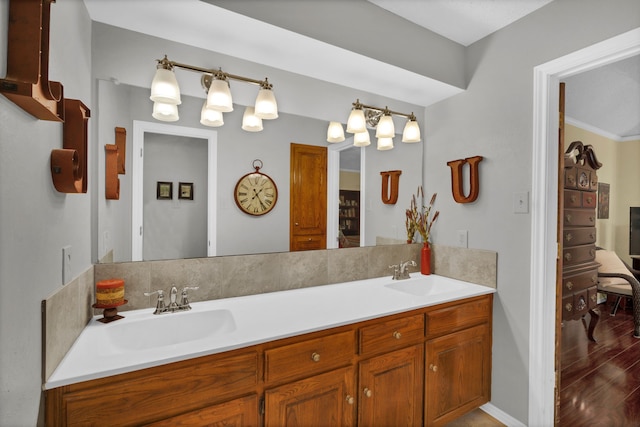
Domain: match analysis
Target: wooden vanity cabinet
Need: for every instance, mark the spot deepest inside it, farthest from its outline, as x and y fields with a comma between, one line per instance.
x=390, y=371
x=201, y=388
x=457, y=360
x=424, y=367
x=323, y=399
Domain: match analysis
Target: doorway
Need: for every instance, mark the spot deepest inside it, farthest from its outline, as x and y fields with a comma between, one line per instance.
x=542, y=319
x=140, y=129
x=335, y=155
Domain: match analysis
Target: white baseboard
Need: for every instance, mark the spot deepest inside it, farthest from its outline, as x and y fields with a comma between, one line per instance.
x=501, y=416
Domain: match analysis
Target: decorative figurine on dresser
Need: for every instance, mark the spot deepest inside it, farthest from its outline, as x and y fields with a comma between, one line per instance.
x=579, y=269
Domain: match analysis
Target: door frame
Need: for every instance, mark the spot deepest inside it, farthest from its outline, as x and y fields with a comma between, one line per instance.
x=544, y=245
x=137, y=180
x=333, y=191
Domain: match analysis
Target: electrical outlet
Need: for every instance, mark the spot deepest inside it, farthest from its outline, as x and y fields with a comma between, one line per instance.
x=463, y=238
x=66, y=264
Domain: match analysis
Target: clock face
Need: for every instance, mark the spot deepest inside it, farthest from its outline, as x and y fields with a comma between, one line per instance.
x=256, y=193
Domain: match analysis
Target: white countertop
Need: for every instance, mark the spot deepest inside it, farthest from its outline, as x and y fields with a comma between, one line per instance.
x=98, y=351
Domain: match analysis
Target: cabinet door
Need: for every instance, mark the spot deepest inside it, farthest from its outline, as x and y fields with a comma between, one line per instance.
x=458, y=374
x=391, y=389
x=241, y=412
x=323, y=400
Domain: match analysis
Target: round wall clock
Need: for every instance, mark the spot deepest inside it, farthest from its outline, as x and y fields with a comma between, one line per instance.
x=256, y=193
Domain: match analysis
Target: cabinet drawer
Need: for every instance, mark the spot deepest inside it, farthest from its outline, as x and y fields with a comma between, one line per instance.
x=579, y=236
x=309, y=242
x=392, y=334
x=572, y=199
x=589, y=199
x=579, y=254
x=309, y=357
x=580, y=217
x=579, y=199
x=580, y=281
x=450, y=319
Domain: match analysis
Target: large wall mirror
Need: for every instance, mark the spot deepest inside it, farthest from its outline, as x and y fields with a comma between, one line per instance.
x=225, y=154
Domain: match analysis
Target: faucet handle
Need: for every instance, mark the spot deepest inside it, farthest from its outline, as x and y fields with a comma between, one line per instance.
x=160, y=293
x=184, y=299
x=160, y=307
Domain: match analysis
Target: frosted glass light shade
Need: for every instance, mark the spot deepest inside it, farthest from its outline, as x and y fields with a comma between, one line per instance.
x=266, y=106
x=335, y=133
x=356, y=122
x=361, y=139
x=385, y=128
x=165, y=112
x=219, y=96
x=211, y=117
x=164, y=87
x=411, y=132
x=250, y=122
x=385, y=144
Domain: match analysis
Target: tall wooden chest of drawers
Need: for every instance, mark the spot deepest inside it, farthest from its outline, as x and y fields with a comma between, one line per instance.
x=580, y=271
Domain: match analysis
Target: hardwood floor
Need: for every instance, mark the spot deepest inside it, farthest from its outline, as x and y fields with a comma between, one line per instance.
x=600, y=381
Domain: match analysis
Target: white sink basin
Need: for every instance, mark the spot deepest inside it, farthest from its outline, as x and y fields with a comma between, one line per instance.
x=423, y=287
x=169, y=329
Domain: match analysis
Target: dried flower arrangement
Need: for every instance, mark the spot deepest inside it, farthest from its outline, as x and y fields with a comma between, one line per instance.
x=420, y=220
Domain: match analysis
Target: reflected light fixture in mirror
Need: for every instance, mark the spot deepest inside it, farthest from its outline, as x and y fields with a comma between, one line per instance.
x=335, y=133
x=251, y=122
x=165, y=93
x=165, y=112
x=219, y=94
x=385, y=144
x=385, y=128
x=361, y=139
x=411, y=132
x=381, y=119
x=211, y=117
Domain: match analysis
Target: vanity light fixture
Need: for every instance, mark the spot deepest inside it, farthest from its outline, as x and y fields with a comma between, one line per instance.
x=335, y=133
x=379, y=118
x=165, y=93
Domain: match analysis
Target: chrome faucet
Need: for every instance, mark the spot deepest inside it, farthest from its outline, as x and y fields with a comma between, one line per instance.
x=174, y=305
x=401, y=271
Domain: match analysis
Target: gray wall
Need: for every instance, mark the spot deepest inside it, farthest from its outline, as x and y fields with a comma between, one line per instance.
x=493, y=118
x=35, y=220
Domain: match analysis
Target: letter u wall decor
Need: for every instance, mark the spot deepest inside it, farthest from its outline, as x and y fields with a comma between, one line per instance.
x=457, y=179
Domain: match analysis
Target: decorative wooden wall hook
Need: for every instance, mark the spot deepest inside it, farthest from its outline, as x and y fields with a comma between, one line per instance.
x=390, y=187
x=121, y=143
x=112, y=182
x=69, y=164
x=456, y=179
x=27, y=82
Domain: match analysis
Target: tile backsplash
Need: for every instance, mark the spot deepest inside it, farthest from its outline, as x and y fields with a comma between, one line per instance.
x=68, y=310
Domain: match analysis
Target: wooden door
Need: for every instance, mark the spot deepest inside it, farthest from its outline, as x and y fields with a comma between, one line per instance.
x=308, y=204
x=391, y=389
x=458, y=370
x=323, y=400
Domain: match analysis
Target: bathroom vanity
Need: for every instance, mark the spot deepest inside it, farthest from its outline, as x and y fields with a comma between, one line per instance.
x=372, y=352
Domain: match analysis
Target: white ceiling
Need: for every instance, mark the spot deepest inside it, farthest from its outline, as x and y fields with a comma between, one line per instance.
x=463, y=21
x=608, y=98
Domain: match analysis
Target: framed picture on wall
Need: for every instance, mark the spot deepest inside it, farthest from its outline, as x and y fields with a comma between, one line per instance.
x=185, y=190
x=164, y=190
x=603, y=200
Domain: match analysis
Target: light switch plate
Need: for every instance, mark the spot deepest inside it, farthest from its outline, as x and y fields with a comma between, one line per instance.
x=463, y=238
x=66, y=264
x=521, y=202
